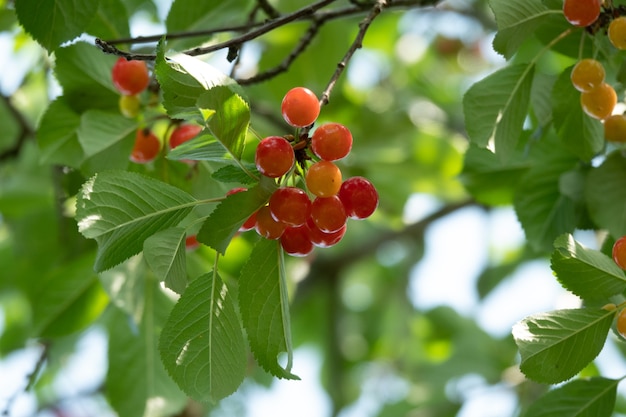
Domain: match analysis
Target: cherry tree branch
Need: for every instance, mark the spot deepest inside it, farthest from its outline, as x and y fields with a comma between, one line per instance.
x=238, y=40
x=356, y=44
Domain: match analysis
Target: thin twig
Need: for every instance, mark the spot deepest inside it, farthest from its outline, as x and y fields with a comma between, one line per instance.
x=305, y=41
x=236, y=41
x=268, y=9
x=356, y=44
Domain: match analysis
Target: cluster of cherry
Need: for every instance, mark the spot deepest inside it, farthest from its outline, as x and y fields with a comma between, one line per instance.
x=597, y=98
x=316, y=214
x=131, y=78
x=299, y=221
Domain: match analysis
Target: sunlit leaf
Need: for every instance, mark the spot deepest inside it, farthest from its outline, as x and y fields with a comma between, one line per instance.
x=593, y=397
x=122, y=209
x=516, y=20
x=53, y=22
x=496, y=106
x=557, y=345
x=264, y=306
x=589, y=274
x=165, y=254
x=202, y=343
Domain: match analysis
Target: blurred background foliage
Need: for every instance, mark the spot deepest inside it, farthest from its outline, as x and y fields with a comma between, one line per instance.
x=356, y=318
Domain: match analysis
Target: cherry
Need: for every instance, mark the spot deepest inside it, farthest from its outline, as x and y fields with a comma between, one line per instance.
x=274, y=156
x=251, y=221
x=290, y=205
x=615, y=128
x=619, y=252
x=621, y=323
x=328, y=214
x=183, y=133
x=331, y=141
x=323, y=179
x=322, y=239
x=296, y=242
x=130, y=77
x=146, y=148
x=300, y=107
x=266, y=226
x=599, y=102
x=587, y=74
x=359, y=197
x=191, y=243
x=129, y=106
x=617, y=32
x=581, y=12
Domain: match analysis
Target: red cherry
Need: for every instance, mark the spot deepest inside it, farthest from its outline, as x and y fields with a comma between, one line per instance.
x=290, y=205
x=322, y=239
x=331, y=141
x=183, y=133
x=146, y=148
x=359, y=197
x=581, y=12
x=266, y=226
x=328, y=214
x=274, y=156
x=300, y=107
x=191, y=243
x=130, y=77
x=296, y=242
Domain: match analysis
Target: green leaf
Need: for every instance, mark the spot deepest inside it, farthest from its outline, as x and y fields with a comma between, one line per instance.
x=99, y=130
x=190, y=15
x=605, y=193
x=593, y=397
x=579, y=133
x=110, y=21
x=67, y=298
x=183, y=79
x=557, y=345
x=488, y=179
x=56, y=135
x=223, y=222
x=203, y=147
x=229, y=123
x=53, y=22
x=137, y=383
x=517, y=21
x=122, y=209
x=496, y=106
x=84, y=72
x=264, y=306
x=165, y=254
x=544, y=212
x=589, y=274
x=232, y=173
x=202, y=344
